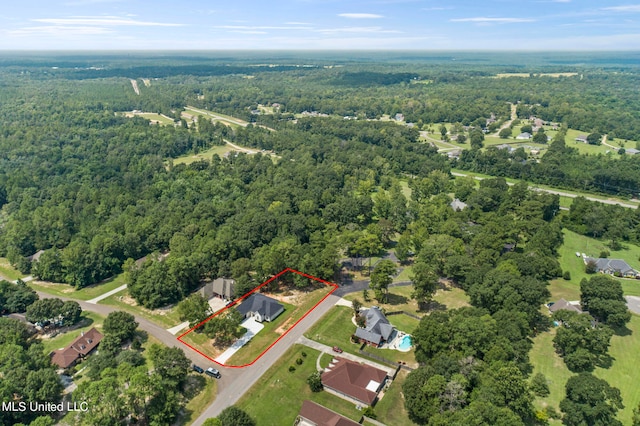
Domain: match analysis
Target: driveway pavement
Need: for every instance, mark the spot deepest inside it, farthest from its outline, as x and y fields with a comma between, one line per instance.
x=633, y=303
x=253, y=327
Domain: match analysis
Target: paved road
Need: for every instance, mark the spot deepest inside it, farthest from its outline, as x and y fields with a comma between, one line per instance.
x=561, y=193
x=107, y=294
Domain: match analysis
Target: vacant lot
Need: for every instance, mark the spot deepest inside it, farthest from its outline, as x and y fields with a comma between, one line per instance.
x=165, y=317
x=86, y=293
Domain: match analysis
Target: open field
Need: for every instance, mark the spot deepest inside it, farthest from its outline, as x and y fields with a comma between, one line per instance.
x=164, y=317
x=7, y=271
x=155, y=118
x=88, y=321
x=225, y=119
x=591, y=247
x=623, y=374
x=86, y=293
x=219, y=150
x=277, y=396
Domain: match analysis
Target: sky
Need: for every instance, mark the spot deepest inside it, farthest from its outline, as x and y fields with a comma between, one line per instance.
x=320, y=25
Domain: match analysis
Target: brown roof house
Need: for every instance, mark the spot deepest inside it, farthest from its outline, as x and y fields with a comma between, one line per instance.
x=78, y=349
x=359, y=383
x=312, y=414
x=224, y=288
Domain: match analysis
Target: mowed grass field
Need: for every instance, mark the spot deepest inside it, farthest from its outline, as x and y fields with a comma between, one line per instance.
x=219, y=150
x=7, y=271
x=86, y=293
x=622, y=374
x=591, y=247
x=277, y=396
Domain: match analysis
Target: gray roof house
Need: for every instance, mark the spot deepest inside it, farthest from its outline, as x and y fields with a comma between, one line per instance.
x=631, y=151
x=220, y=287
x=260, y=308
x=458, y=205
x=613, y=267
x=564, y=305
x=377, y=329
x=524, y=135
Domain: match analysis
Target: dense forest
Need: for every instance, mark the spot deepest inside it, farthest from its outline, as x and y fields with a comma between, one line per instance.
x=95, y=191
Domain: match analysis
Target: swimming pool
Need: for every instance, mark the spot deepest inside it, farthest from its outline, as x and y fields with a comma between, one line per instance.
x=405, y=344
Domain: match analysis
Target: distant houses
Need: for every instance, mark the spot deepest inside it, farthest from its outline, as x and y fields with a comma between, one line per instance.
x=377, y=329
x=260, y=308
x=355, y=382
x=581, y=138
x=78, y=349
x=524, y=136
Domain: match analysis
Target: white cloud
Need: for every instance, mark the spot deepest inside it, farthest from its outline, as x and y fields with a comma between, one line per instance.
x=111, y=21
x=624, y=8
x=58, y=31
x=360, y=15
x=258, y=27
x=357, y=30
x=486, y=20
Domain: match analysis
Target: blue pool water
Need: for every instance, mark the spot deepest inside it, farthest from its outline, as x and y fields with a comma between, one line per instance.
x=405, y=343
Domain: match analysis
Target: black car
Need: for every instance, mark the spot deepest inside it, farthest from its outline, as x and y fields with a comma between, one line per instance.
x=212, y=372
x=197, y=369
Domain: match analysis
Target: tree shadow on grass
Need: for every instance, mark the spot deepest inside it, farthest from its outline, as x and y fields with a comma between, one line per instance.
x=396, y=299
x=605, y=361
x=622, y=331
x=431, y=306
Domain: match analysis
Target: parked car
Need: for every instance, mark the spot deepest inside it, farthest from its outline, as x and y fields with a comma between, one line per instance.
x=198, y=369
x=212, y=372
x=337, y=349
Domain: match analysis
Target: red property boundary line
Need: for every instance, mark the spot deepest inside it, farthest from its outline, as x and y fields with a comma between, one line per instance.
x=235, y=302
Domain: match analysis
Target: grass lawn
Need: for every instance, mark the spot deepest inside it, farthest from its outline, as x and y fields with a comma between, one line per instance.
x=591, y=247
x=277, y=396
x=451, y=297
x=390, y=409
x=86, y=293
x=335, y=329
x=88, y=321
x=201, y=401
x=622, y=374
x=220, y=150
x=7, y=271
x=399, y=299
x=165, y=318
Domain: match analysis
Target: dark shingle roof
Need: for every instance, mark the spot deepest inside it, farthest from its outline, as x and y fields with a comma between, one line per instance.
x=260, y=303
x=612, y=265
x=564, y=305
x=377, y=326
x=355, y=380
x=322, y=416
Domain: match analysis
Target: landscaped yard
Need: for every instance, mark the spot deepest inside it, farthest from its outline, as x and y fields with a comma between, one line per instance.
x=623, y=373
x=88, y=321
x=591, y=247
x=86, y=293
x=277, y=396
